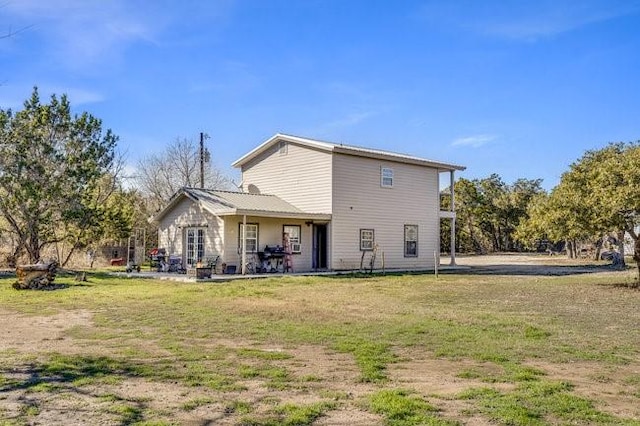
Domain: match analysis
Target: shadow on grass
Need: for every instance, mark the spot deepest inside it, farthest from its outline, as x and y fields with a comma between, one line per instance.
x=496, y=269
x=50, y=287
x=532, y=270
x=633, y=285
x=63, y=374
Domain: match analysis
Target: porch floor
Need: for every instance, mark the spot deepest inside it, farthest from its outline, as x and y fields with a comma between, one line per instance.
x=232, y=277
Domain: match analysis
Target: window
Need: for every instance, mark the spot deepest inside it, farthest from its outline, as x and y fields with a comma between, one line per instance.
x=293, y=233
x=251, y=236
x=410, y=240
x=386, y=177
x=282, y=147
x=194, y=246
x=366, y=239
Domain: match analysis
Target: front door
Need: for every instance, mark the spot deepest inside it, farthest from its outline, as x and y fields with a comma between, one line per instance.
x=319, y=247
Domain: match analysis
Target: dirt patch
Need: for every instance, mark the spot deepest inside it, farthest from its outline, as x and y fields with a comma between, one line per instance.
x=437, y=381
x=614, y=389
x=318, y=375
x=529, y=264
x=32, y=334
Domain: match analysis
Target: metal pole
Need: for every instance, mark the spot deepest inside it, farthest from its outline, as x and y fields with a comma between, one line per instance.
x=453, y=221
x=243, y=259
x=202, y=160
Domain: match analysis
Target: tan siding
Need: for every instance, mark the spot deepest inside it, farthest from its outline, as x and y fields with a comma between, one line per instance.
x=269, y=233
x=186, y=214
x=360, y=202
x=302, y=176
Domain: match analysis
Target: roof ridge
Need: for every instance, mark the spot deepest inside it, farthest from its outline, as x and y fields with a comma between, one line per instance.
x=348, y=149
x=289, y=135
x=209, y=190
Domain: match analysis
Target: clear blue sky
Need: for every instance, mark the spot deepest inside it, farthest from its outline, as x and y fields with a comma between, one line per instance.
x=518, y=88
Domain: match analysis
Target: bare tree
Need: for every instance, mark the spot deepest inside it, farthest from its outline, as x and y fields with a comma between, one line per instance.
x=161, y=175
x=10, y=32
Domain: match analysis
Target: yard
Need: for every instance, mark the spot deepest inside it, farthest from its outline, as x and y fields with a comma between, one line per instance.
x=527, y=344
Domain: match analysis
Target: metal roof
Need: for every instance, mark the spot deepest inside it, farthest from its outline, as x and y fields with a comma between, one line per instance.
x=228, y=203
x=346, y=149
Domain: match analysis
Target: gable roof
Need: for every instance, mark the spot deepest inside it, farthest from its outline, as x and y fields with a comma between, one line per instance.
x=345, y=149
x=228, y=203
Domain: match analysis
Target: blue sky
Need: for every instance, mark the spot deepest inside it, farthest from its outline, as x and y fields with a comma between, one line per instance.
x=518, y=88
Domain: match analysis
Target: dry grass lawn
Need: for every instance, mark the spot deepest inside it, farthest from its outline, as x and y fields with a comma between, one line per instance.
x=513, y=340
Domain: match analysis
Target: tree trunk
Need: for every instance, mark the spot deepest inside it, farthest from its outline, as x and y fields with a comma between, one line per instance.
x=570, y=249
x=33, y=245
x=636, y=254
x=36, y=276
x=621, y=248
x=598, y=250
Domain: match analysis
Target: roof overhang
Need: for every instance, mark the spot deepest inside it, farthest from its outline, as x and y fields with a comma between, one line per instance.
x=346, y=150
x=231, y=210
x=398, y=158
x=277, y=215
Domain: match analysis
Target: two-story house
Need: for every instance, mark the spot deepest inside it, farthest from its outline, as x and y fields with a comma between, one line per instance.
x=334, y=206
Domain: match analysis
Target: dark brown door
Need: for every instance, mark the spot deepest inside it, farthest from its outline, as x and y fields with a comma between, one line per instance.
x=319, y=247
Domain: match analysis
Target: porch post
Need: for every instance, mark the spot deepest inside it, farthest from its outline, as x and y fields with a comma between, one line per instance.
x=453, y=221
x=243, y=261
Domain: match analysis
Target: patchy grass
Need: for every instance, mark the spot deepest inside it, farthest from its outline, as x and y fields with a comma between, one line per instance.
x=192, y=404
x=540, y=403
x=233, y=348
x=402, y=408
x=289, y=415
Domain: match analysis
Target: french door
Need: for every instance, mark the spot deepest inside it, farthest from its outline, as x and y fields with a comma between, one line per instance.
x=194, y=247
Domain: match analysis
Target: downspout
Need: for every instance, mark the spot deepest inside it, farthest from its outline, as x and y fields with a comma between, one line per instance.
x=453, y=221
x=244, y=245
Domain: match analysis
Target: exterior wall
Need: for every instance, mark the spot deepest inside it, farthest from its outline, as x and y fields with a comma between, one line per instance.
x=302, y=176
x=360, y=202
x=269, y=233
x=188, y=214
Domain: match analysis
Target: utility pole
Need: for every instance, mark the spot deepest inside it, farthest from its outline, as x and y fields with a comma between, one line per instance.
x=205, y=156
x=202, y=160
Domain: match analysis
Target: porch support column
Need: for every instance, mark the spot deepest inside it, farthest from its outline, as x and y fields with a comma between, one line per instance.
x=453, y=221
x=243, y=260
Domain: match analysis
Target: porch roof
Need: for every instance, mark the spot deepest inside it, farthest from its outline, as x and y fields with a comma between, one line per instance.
x=228, y=203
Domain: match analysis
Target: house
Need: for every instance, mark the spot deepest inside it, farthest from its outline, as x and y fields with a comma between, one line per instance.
x=338, y=206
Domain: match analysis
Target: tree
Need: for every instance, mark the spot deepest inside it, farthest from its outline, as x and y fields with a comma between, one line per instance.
x=488, y=212
x=161, y=175
x=51, y=164
x=554, y=217
x=599, y=194
x=109, y=214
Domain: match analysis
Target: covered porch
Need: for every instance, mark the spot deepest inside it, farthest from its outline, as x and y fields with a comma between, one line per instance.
x=240, y=233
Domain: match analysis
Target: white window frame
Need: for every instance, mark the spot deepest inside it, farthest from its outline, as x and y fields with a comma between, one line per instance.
x=408, y=239
x=295, y=237
x=386, y=177
x=252, y=241
x=194, y=243
x=367, y=239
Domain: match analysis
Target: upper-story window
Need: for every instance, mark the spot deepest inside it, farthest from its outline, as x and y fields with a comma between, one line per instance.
x=386, y=177
x=282, y=147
